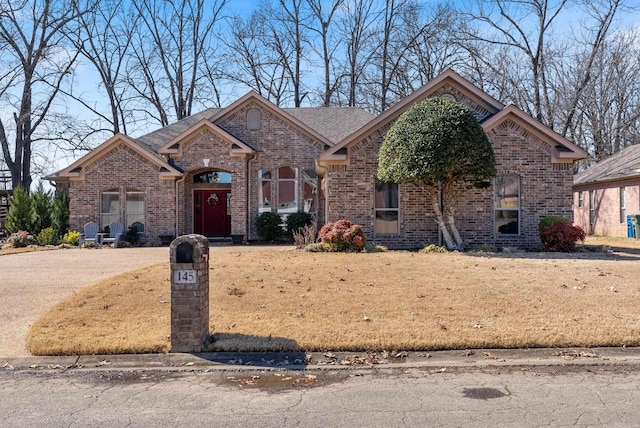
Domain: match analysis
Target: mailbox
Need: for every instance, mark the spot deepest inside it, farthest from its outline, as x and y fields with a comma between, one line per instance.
x=189, y=258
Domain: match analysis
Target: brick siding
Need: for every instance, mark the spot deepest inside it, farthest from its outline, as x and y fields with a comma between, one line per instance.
x=122, y=169
x=545, y=189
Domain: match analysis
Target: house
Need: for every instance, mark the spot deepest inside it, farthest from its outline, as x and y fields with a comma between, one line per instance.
x=214, y=172
x=605, y=194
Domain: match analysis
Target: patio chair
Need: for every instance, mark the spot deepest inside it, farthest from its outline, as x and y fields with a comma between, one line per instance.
x=115, y=233
x=90, y=234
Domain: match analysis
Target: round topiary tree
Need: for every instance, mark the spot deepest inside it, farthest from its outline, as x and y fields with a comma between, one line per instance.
x=438, y=145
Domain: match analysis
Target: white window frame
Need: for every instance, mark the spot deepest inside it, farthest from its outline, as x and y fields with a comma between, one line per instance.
x=289, y=209
x=264, y=204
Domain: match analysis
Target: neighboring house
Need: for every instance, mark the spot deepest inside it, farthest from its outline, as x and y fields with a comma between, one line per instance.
x=606, y=193
x=214, y=172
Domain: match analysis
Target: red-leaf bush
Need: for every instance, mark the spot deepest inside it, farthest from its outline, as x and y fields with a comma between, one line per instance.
x=561, y=237
x=342, y=235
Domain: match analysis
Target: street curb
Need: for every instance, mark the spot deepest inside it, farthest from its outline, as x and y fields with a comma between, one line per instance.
x=435, y=361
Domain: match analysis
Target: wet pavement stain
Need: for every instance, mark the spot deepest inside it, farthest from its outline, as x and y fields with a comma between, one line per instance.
x=483, y=393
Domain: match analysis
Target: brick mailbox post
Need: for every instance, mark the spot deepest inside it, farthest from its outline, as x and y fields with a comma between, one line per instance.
x=189, y=255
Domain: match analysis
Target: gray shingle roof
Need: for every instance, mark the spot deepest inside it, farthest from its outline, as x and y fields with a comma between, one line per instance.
x=334, y=123
x=155, y=139
x=624, y=164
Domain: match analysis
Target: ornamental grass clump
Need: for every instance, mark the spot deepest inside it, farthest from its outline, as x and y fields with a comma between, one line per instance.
x=343, y=236
x=561, y=237
x=21, y=239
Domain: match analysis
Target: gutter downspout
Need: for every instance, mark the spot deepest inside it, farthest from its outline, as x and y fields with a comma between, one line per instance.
x=248, y=199
x=176, y=190
x=321, y=170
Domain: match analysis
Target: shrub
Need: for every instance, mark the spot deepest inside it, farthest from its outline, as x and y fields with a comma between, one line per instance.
x=549, y=220
x=318, y=247
x=433, y=248
x=268, y=226
x=60, y=215
x=561, y=236
x=375, y=249
x=19, y=215
x=343, y=235
x=297, y=221
x=131, y=235
x=71, y=238
x=41, y=208
x=47, y=236
x=21, y=238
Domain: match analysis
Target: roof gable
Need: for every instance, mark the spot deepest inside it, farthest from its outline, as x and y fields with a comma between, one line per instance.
x=175, y=145
x=622, y=165
x=253, y=97
x=448, y=82
x=562, y=150
x=76, y=170
x=155, y=139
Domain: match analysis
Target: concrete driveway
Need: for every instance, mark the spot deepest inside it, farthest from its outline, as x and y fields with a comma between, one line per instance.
x=31, y=283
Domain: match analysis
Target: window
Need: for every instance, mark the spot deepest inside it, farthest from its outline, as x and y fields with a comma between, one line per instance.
x=109, y=207
x=254, y=119
x=134, y=209
x=212, y=177
x=264, y=191
x=623, y=208
x=287, y=190
x=507, y=204
x=580, y=199
x=310, y=190
x=386, y=208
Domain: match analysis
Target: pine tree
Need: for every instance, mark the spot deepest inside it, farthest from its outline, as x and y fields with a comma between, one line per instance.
x=41, y=207
x=19, y=215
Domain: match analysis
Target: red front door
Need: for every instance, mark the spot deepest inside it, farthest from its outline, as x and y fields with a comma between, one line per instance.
x=211, y=214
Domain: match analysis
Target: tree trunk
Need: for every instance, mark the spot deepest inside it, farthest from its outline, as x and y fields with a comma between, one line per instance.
x=435, y=201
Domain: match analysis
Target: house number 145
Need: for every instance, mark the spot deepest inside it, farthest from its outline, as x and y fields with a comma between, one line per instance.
x=184, y=276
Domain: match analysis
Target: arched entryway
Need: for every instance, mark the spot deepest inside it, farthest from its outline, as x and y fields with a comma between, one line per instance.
x=212, y=204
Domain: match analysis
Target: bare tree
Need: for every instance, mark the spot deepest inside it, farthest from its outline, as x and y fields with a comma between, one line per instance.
x=429, y=46
x=104, y=37
x=287, y=24
x=521, y=27
x=33, y=46
x=356, y=26
x=253, y=63
x=607, y=118
x=171, y=43
x=559, y=72
x=602, y=13
x=329, y=47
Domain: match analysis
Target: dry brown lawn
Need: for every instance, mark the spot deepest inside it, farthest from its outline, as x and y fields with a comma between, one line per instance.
x=287, y=299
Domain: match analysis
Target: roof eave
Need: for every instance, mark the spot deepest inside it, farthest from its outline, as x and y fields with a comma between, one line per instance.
x=467, y=88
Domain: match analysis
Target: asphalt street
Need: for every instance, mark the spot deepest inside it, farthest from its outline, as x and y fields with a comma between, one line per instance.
x=412, y=397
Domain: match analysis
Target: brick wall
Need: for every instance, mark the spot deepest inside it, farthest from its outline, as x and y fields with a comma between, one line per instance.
x=206, y=145
x=122, y=169
x=277, y=144
x=545, y=190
